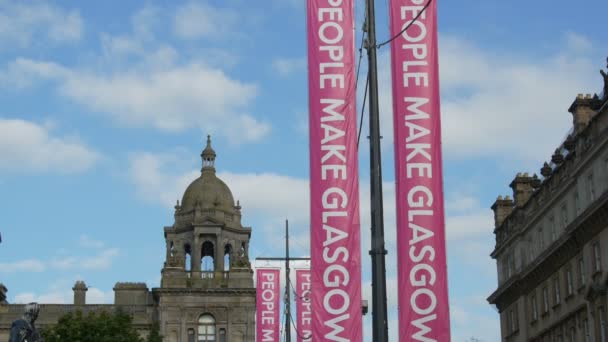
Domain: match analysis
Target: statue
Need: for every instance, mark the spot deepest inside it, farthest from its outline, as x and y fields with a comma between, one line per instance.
x=605, y=76
x=24, y=330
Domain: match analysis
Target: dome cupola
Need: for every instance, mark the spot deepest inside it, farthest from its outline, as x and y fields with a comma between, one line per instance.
x=208, y=155
x=208, y=191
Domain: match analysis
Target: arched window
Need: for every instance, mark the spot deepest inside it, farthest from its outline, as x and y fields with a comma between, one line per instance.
x=188, y=254
x=243, y=250
x=207, y=262
x=206, y=328
x=227, y=256
x=172, y=249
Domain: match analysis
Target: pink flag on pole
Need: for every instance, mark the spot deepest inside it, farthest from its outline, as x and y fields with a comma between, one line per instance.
x=267, y=305
x=423, y=292
x=303, y=306
x=334, y=183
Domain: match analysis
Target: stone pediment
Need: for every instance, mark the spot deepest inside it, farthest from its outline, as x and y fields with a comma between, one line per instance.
x=209, y=221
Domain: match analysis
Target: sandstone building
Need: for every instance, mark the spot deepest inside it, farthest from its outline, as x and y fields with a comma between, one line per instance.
x=206, y=291
x=552, y=238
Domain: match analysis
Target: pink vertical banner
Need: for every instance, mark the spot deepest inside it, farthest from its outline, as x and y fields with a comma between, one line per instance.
x=267, y=305
x=423, y=292
x=303, y=306
x=334, y=183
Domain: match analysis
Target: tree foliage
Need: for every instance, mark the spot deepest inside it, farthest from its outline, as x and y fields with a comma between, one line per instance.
x=93, y=327
x=155, y=333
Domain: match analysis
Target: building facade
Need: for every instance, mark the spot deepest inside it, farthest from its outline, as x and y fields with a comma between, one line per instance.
x=552, y=238
x=206, y=291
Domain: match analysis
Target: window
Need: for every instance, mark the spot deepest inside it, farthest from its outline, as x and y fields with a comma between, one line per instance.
x=541, y=238
x=227, y=257
x=597, y=257
x=564, y=215
x=191, y=335
x=206, y=328
x=557, y=298
x=534, y=307
x=581, y=271
x=553, y=228
x=586, y=330
x=207, y=261
x=577, y=203
x=602, y=327
x=510, y=264
x=572, y=334
x=545, y=300
x=590, y=188
x=188, y=259
x=504, y=274
x=569, y=285
x=512, y=324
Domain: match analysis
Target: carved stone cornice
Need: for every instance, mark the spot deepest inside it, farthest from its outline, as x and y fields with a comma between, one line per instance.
x=577, y=234
x=207, y=291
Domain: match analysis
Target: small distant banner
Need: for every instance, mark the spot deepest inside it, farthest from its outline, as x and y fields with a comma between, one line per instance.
x=303, y=306
x=268, y=290
x=334, y=181
x=423, y=293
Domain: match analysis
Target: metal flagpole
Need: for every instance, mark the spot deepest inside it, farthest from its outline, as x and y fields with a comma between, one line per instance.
x=378, y=251
x=287, y=297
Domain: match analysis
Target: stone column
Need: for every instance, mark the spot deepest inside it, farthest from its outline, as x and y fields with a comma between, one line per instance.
x=80, y=292
x=196, y=258
x=219, y=255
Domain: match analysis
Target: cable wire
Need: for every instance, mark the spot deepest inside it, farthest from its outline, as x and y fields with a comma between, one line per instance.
x=360, y=58
x=378, y=46
x=293, y=324
x=362, y=110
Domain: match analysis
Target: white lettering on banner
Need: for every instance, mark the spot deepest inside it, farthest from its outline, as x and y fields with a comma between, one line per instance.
x=422, y=275
x=334, y=200
x=268, y=304
x=304, y=305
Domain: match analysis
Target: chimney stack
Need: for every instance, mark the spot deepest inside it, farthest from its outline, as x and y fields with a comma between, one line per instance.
x=80, y=293
x=582, y=111
x=3, y=292
x=502, y=208
x=522, y=189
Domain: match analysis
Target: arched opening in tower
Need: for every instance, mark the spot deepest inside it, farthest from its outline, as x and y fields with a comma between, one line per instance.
x=227, y=257
x=188, y=257
x=207, y=253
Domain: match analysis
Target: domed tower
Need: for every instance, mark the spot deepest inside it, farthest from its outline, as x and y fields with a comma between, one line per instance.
x=207, y=281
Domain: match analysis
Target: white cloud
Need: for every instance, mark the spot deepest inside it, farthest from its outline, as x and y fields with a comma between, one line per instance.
x=92, y=256
x=162, y=95
x=100, y=261
x=27, y=146
x=288, y=66
x=201, y=20
x=494, y=103
x=29, y=265
x=463, y=226
x=88, y=242
x=64, y=295
x=24, y=24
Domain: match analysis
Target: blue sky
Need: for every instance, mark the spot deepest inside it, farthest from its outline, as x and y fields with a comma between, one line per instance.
x=106, y=105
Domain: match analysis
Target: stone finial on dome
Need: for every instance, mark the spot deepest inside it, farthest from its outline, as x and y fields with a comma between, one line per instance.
x=208, y=155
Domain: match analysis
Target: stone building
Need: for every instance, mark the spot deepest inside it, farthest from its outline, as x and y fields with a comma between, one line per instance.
x=552, y=238
x=206, y=291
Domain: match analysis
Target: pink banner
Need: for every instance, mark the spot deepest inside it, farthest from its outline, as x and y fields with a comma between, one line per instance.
x=423, y=293
x=267, y=305
x=303, y=306
x=334, y=191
